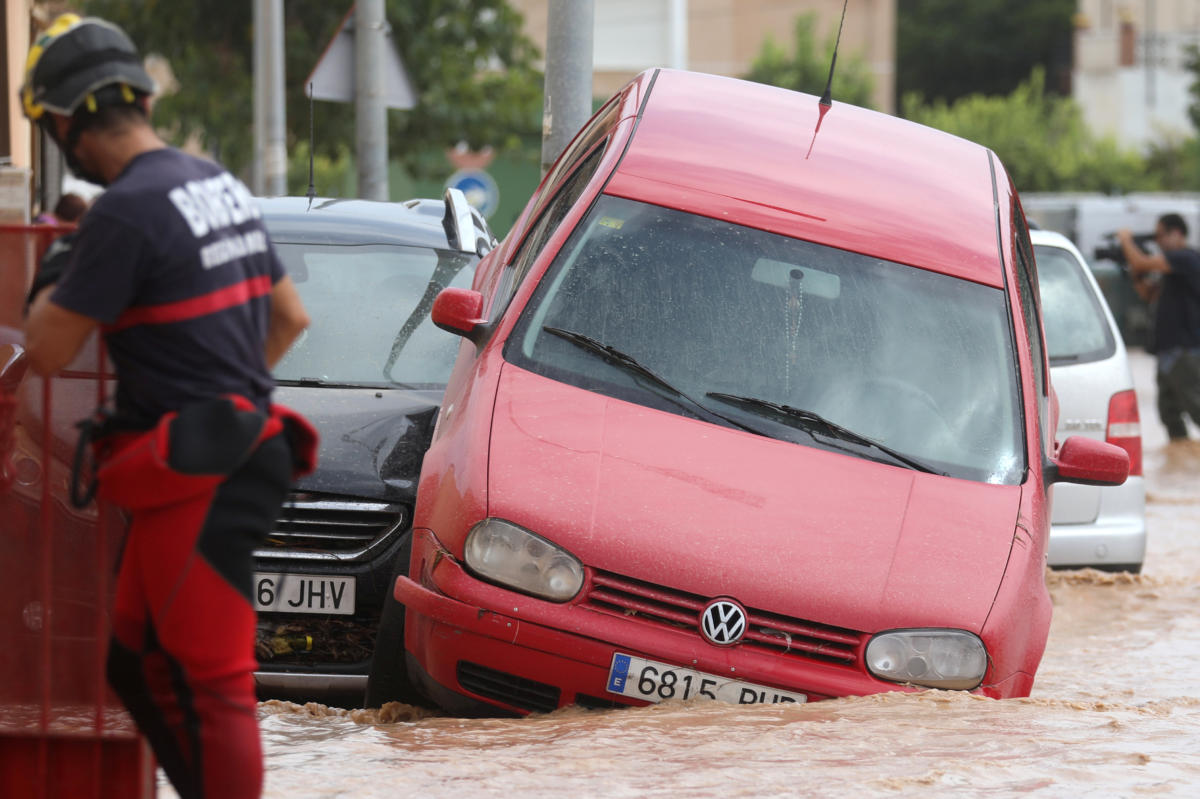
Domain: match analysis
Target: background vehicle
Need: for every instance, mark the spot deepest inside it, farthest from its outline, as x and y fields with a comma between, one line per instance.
x=369, y=373
x=735, y=420
x=1089, y=220
x=1100, y=527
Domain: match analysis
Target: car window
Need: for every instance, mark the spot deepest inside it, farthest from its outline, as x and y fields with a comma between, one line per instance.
x=515, y=272
x=597, y=128
x=1027, y=288
x=917, y=360
x=1077, y=330
x=369, y=306
x=1027, y=291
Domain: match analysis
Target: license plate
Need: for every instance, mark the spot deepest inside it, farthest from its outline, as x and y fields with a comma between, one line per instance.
x=303, y=593
x=657, y=682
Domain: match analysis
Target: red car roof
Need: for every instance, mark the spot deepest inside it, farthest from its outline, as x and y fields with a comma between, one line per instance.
x=865, y=182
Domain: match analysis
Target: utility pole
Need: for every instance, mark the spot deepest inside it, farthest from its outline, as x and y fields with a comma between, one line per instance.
x=257, y=182
x=679, y=34
x=270, y=112
x=568, y=102
x=370, y=110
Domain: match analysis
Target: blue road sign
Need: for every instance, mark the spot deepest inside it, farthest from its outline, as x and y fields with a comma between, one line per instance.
x=479, y=187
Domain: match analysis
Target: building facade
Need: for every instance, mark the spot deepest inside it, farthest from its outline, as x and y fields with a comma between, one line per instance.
x=722, y=37
x=1130, y=76
x=16, y=139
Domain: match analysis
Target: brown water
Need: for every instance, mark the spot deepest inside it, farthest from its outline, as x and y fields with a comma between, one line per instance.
x=1114, y=712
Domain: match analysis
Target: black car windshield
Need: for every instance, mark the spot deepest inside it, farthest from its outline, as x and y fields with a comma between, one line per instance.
x=1077, y=330
x=917, y=361
x=369, y=305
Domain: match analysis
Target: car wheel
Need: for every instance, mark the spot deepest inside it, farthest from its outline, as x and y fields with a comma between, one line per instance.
x=387, y=680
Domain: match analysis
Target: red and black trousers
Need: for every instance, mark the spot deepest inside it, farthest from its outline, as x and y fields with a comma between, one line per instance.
x=203, y=489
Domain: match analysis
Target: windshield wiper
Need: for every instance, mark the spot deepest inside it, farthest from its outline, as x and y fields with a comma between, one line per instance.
x=323, y=383
x=630, y=364
x=812, y=421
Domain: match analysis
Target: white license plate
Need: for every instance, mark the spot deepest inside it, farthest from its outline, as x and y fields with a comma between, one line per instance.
x=657, y=682
x=303, y=593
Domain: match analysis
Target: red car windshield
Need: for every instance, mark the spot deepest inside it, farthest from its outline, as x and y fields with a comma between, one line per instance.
x=915, y=360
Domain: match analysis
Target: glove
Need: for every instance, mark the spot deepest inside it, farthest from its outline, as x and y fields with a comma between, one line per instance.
x=54, y=263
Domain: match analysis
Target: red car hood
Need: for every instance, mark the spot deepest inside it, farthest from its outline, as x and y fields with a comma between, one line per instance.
x=715, y=511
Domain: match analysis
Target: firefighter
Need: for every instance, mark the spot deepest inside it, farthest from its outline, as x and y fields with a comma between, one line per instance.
x=173, y=265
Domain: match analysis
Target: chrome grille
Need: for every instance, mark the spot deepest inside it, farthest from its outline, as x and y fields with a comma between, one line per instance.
x=665, y=607
x=329, y=527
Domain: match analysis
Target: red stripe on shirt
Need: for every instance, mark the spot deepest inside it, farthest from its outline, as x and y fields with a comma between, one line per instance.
x=193, y=307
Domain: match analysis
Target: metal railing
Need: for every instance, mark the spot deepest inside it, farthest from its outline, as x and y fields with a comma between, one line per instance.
x=62, y=732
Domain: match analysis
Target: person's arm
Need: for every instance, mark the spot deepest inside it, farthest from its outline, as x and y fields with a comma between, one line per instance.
x=1140, y=262
x=54, y=335
x=1146, y=288
x=287, y=322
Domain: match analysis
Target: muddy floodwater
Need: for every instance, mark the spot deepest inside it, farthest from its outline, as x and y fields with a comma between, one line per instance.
x=1115, y=711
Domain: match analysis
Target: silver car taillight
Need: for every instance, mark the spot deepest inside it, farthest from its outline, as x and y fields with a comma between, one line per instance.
x=1125, y=428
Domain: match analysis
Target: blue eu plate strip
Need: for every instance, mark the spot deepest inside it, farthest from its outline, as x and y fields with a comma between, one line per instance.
x=618, y=674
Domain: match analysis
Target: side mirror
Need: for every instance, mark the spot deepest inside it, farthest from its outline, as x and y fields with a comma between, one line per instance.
x=460, y=311
x=1090, y=462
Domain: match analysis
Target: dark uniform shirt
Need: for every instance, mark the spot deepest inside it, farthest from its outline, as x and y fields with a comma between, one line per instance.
x=175, y=263
x=1177, y=322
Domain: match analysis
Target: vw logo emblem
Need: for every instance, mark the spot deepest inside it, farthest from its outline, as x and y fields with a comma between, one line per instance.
x=723, y=622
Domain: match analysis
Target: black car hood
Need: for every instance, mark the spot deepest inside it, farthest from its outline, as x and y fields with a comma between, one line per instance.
x=372, y=440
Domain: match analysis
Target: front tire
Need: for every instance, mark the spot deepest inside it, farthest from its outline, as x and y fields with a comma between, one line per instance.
x=388, y=680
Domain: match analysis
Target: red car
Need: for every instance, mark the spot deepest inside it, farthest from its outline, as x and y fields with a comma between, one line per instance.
x=753, y=404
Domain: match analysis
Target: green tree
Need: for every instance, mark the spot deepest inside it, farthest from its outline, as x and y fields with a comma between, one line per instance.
x=470, y=64
x=947, y=49
x=806, y=68
x=1175, y=162
x=1041, y=139
x=1192, y=64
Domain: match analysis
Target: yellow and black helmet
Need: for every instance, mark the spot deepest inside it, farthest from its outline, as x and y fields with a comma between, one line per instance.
x=82, y=62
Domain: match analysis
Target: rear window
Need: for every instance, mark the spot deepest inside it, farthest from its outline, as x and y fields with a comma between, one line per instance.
x=1077, y=329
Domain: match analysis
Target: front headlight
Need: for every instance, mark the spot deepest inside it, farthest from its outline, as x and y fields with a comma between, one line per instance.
x=952, y=659
x=514, y=557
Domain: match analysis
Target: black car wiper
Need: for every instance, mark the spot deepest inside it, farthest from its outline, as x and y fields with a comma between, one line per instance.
x=323, y=383
x=630, y=364
x=811, y=421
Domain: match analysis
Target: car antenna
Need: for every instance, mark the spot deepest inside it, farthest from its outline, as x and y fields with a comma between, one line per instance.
x=312, y=191
x=826, y=101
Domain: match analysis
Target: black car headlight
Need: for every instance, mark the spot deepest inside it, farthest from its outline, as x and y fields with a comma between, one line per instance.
x=504, y=553
x=951, y=659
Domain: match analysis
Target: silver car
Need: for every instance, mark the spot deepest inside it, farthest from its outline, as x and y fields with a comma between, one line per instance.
x=1101, y=528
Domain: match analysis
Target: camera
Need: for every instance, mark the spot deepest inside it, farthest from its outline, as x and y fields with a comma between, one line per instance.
x=1111, y=249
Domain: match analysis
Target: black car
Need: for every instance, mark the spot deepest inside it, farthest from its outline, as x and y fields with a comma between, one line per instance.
x=369, y=373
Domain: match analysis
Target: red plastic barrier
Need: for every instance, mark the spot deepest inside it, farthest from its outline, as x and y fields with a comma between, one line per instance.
x=62, y=732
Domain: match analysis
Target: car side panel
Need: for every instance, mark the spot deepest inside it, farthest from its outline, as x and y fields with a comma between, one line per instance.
x=1019, y=623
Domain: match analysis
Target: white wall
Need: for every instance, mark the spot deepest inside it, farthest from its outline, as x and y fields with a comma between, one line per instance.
x=1146, y=101
x=631, y=34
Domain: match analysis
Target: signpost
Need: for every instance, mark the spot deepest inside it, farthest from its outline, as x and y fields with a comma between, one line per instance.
x=361, y=65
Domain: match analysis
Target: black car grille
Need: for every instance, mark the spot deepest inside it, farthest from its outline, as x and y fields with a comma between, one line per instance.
x=536, y=697
x=327, y=525
x=666, y=607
